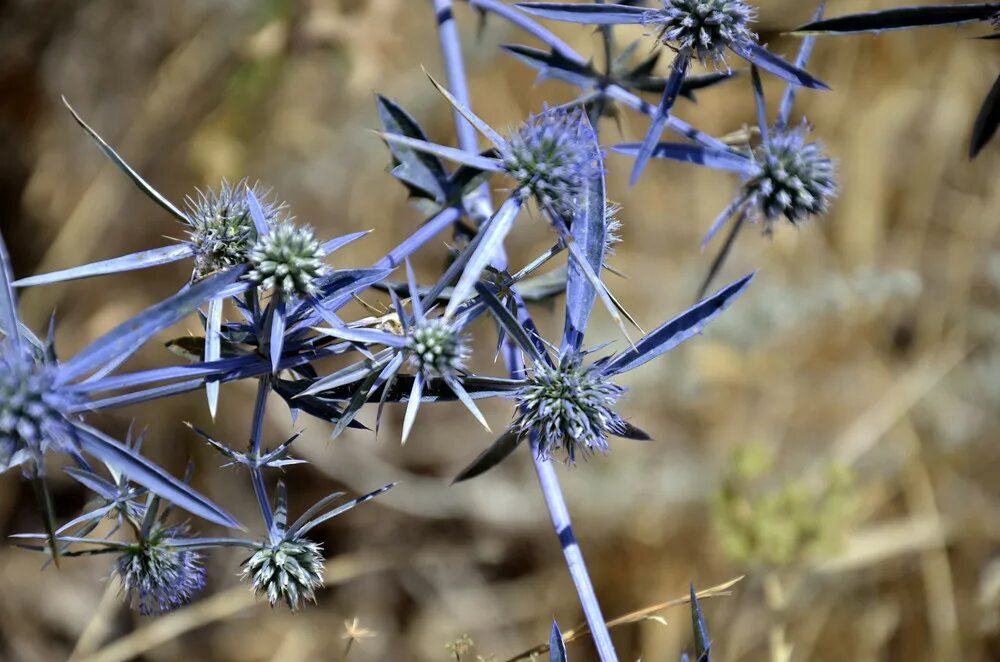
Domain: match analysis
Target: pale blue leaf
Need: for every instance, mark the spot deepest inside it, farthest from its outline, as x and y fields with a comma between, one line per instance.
x=141, y=260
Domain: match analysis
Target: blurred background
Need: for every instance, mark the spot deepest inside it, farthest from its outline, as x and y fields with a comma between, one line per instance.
x=833, y=437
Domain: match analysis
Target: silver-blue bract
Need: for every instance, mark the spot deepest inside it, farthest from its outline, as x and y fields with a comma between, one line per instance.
x=705, y=28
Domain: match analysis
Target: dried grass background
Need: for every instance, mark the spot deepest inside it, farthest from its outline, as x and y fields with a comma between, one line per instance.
x=869, y=338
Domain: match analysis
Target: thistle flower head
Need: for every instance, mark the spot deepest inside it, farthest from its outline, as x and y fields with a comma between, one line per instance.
x=288, y=259
x=552, y=156
x=289, y=570
x=156, y=577
x=705, y=28
x=31, y=419
x=221, y=229
x=792, y=177
x=437, y=348
x=570, y=406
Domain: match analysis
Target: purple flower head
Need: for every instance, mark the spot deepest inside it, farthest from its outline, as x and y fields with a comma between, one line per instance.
x=791, y=177
x=705, y=28
x=290, y=569
x=289, y=260
x=157, y=577
x=551, y=157
x=571, y=408
x=31, y=409
x=437, y=348
x=221, y=230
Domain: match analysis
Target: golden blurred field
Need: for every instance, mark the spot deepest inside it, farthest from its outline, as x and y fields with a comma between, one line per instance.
x=867, y=343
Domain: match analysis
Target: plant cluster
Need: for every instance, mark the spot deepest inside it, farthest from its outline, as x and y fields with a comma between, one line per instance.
x=248, y=256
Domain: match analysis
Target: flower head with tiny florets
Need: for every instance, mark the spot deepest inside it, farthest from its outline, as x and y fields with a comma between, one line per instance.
x=289, y=570
x=437, y=348
x=705, y=28
x=792, y=177
x=570, y=406
x=288, y=259
x=552, y=156
x=157, y=577
x=221, y=229
x=31, y=419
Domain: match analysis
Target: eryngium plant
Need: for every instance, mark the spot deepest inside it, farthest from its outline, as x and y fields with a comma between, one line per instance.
x=290, y=315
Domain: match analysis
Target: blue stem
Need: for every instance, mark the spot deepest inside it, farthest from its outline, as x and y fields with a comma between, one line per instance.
x=547, y=478
x=257, y=429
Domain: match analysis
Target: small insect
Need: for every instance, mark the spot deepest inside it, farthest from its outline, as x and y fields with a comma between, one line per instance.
x=384, y=318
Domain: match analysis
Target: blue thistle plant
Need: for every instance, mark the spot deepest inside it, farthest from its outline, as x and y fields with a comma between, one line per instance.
x=785, y=175
x=42, y=400
x=567, y=407
x=436, y=347
x=289, y=570
x=556, y=158
x=792, y=177
x=700, y=28
x=287, y=566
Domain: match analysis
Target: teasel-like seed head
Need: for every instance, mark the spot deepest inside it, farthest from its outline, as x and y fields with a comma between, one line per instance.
x=571, y=407
x=31, y=409
x=221, y=230
x=704, y=28
x=792, y=177
x=552, y=156
x=289, y=570
x=437, y=348
x=156, y=577
x=288, y=260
